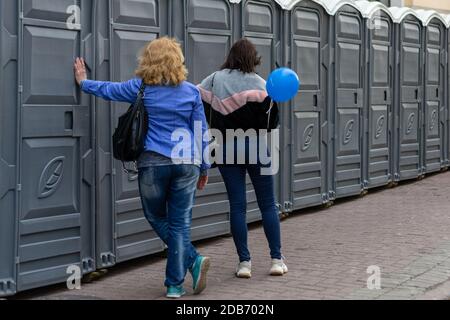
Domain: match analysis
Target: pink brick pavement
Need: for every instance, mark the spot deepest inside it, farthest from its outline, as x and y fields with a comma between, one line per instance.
x=405, y=231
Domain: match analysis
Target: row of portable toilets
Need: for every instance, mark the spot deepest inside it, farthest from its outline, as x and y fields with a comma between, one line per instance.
x=372, y=110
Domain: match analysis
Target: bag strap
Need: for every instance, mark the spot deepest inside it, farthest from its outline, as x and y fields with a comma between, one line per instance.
x=212, y=91
x=141, y=90
x=269, y=113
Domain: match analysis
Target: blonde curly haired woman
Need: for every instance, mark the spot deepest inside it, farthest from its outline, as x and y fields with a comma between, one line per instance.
x=167, y=181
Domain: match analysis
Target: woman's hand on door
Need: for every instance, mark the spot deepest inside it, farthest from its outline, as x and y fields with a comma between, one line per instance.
x=80, y=70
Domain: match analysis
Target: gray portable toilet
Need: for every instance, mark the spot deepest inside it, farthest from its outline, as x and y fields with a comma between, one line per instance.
x=260, y=22
x=123, y=28
x=346, y=105
x=378, y=116
x=434, y=124
x=47, y=188
x=306, y=117
x=9, y=190
x=408, y=99
x=212, y=28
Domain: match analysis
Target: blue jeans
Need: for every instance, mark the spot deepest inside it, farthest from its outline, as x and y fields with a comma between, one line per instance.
x=168, y=194
x=234, y=178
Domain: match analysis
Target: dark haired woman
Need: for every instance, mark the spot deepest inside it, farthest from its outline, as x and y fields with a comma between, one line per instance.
x=235, y=98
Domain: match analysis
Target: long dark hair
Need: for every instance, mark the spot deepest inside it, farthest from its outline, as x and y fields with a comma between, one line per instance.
x=243, y=56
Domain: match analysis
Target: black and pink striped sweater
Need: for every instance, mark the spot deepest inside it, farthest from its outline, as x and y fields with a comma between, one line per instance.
x=237, y=100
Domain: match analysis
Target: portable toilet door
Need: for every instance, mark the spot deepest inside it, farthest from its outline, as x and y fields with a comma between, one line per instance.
x=57, y=213
x=8, y=146
x=347, y=106
x=408, y=94
x=434, y=90
x=378, y=116
x=261, y=24
x=123, y=28
x=206, y=29
x=307, y=27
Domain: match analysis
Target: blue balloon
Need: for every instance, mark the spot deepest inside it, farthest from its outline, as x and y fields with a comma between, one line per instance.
x=283, y=85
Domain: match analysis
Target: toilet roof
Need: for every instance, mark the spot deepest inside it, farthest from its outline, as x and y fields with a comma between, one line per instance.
x=331, y=6
x=369, y=9
x=401, y=13
x=428, y=15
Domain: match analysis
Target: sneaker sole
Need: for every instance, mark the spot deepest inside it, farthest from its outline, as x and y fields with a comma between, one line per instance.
x=201, y=284
x=175, y=296
x=277, y=274
x=244, y=276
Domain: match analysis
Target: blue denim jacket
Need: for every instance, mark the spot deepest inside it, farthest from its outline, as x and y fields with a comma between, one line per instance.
x=171, y=109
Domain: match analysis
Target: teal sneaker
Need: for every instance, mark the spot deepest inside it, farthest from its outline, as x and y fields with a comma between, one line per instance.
x=175, y=292
x=198, y=272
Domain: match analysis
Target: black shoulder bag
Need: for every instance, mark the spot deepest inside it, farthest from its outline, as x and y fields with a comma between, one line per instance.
x=130, y=134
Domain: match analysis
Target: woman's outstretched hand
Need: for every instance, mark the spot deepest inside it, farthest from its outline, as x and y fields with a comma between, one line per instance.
x=80, y=70
x=202, y=182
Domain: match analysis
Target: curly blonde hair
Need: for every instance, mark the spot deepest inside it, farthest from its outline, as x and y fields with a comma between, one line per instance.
x=162, y=63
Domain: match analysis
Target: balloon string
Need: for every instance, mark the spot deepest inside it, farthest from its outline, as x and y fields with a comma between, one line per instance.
x=269, y=112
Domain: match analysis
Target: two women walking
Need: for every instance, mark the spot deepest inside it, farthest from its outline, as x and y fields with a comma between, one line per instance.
x=233, y=98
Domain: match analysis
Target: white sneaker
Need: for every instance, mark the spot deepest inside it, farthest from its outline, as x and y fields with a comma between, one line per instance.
x=244, y=270
x=278, y=268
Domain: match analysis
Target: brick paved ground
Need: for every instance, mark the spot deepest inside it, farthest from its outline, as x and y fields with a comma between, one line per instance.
x=405, y=231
